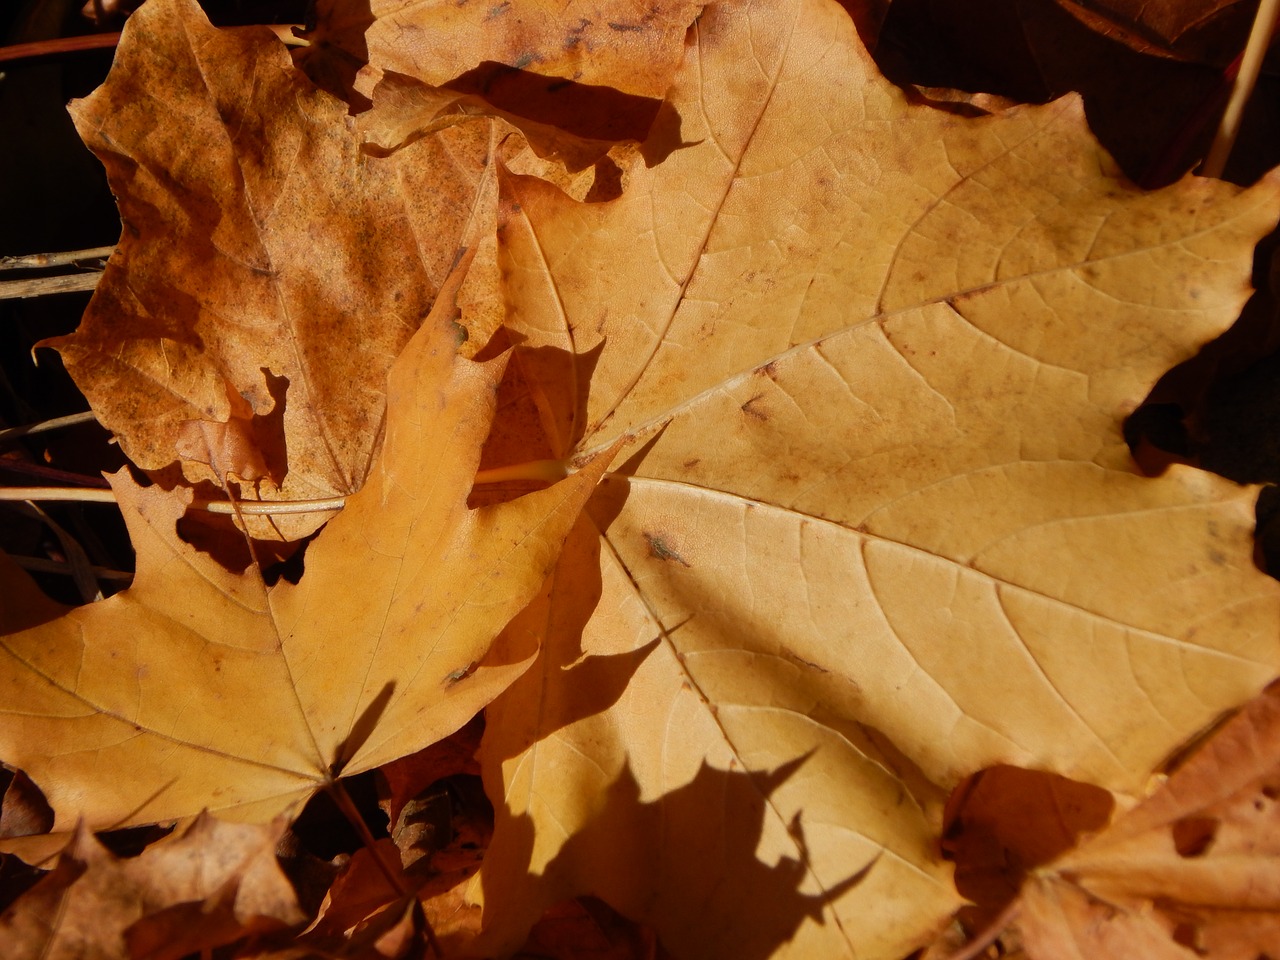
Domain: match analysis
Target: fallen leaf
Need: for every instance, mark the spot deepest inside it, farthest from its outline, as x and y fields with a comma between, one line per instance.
x=587, y=930
x=198, y=688
x=1189, y=872
x=634, y=49
x=1154, y=114
x=883, y=530
x=23, y=811
x=401, y=781
x=886, y=531
x=217, y=883
x=268, y=272
x=1197, y=29
x=363, y=889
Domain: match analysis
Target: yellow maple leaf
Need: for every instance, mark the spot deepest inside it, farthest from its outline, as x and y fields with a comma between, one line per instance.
x=886, y=531
x=198, y=688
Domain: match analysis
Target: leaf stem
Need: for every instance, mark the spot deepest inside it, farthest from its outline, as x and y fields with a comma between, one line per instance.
x=549, y=470
x=57, y=46
x=338, y=792
x=43, y=565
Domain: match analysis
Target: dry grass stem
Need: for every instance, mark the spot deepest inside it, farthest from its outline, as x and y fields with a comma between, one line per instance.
x=1264, y=24
x=54, y=423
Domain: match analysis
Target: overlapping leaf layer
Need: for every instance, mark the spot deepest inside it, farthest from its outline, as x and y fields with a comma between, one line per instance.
x=874, y=527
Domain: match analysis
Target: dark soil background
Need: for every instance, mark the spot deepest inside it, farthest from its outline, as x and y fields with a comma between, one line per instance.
x=54, y=197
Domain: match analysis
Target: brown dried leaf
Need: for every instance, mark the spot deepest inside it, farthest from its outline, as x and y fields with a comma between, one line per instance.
x=634, y=49
x=215, y=884
x=1192, y=871
x=269, y=271
x=1195, y=29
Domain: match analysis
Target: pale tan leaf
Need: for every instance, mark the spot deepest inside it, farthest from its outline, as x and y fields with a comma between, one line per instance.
x=886, y=531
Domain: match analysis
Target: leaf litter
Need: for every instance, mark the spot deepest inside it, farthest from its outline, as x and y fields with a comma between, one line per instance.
x=877, y=528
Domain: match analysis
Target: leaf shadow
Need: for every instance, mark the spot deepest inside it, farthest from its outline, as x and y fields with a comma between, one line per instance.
x=363, y=728
x=560, y=383
x=574, y=684
x=337, y=49
x=542, y=405
x=685, y=862
x=585, y=110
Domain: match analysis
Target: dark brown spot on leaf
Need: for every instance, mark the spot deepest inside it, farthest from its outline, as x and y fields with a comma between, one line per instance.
x=750, y=409
x=1193, y=836
x=661, y=549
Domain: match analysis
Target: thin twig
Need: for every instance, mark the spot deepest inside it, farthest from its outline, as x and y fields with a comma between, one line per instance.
x=253, y=507
x=1174, y=158
x=54, y=423
x=78, y=561
x=58, y=46
x=1264, y=24
x=43, y=565
x=63, y=258
x=75, y=494
x=97, y=41
x=53, y=475
x=267, y=508
x=43, y=286
x=533, y=470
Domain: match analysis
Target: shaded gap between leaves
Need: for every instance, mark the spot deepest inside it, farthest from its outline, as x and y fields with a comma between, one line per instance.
x=1220, y=410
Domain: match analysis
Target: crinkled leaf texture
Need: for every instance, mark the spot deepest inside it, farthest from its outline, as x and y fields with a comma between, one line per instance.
x=1189, y=872
x=198, y=688
x=268, y=272
x=885, y=531
x=214, y=883
x=631, y=48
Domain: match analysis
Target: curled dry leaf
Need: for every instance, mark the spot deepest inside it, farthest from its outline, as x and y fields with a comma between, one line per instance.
x=886, y=531
x=1209, y=29
x=216, y=883
x=1189, y=872
x=630, y=48
x=199, y=688
x=268, y=272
